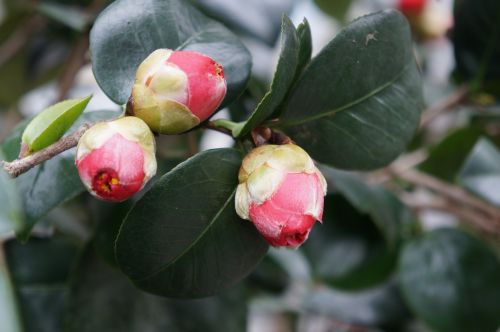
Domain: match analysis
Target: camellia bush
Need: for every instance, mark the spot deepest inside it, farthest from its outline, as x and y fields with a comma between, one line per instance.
x=311, y=213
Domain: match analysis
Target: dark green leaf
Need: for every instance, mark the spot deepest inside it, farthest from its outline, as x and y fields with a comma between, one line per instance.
x=9, y=311
x=51, y=183
x=481, y=172
x=348, y=251
x=386, y=211
x=51, y=124
x=446, y=158
x=476, y=41
x=101, y=299
x=358, y=103
x=40, y=270
x=183, y=238
x=11, y=211
x=379, y=306
x=109, y=218
x=127, y=31
x=337, y=8
x=282, y=80
x=305, y=52
x=452, y=282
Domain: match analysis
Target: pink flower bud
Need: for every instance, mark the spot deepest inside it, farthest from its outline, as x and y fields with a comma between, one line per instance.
x=176, y=90
x=411, y=7
x=115, y=159
x=281, y=192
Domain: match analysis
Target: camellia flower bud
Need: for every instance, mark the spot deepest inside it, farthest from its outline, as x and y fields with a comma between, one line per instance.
x=281, y=192
x=115, y=159
x=176, y=90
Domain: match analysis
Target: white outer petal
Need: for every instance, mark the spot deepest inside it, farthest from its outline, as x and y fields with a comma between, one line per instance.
x=242, y=201
x=263, y=183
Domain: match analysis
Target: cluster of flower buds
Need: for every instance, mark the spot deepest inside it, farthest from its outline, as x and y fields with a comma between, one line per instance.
x=173, y=92
x=280, y=189
x=281, y=192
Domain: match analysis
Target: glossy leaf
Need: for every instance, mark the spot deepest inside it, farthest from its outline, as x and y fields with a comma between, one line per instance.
x=99, y=291
x=127, y=31
x=358, y=103
x=183, y=238
x=51, y=124
x=11, y=210
x=40, y=270
x=446, y=158
x=452, y=282
x=481, y=171
x=51, y=183
x=379, y=306
x=282, y=79
x=347, y=250
x=387, y=212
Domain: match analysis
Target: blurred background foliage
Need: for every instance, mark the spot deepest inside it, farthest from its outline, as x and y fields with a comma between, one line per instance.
x=381, y=261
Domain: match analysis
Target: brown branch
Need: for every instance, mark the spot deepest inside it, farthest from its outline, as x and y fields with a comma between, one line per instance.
x=17, y=40
x=20, y=166
x=463, y=213
x=75, y=61
x=448, y=104
x=212, y=126
x=460, y=202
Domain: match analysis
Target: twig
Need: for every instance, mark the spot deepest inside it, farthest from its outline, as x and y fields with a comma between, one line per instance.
x=75, y=61
x=15, y=43
x=211, y=125
x=462, y=212
x=489, y=214
x=192, y=143
x=20, y=166
x=449, y=103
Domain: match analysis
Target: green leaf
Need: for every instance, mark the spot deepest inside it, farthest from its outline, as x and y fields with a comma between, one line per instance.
x=477, y=45
x=127, y=31
x=305, y=52
x=452, y=282
x=9, y=311
x=379, y=306
x=50, y=125
x=11, y=210
x=347, y=250
x=337, y=8
x=99, y=291
x=184, y=238
x=40, y=270
x=480, y=173
x=357, y=104
x=51, y=183
x=282, y=79
x=446, y=158
x=387, y=212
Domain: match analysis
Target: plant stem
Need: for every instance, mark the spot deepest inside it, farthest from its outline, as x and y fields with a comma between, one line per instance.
x=456, y=200
x=448, y=104
x=220, y=125
x=20, y=166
